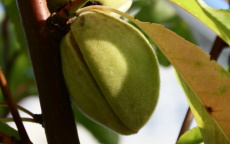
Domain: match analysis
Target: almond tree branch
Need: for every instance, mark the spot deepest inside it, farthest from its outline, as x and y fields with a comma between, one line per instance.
x=43, y=44
x=186, y=123
x=217, y=48
x=13, y=109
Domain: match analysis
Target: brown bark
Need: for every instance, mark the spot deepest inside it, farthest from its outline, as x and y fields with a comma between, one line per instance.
x=43, y=46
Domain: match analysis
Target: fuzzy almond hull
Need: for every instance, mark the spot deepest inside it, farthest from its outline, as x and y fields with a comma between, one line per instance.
x=111, y=71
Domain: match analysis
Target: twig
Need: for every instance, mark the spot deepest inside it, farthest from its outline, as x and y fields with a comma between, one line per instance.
x=36, y=117
x=13, y=109
x=217, y=47
x=20, y=108
x=186, y=123
x=25, y=110
x=23, y=119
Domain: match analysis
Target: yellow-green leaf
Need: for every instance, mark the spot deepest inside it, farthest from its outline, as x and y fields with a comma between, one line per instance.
x=192, y=136
x=216, y=19
x=211, y=132
x=222, y=15
x=208, y=83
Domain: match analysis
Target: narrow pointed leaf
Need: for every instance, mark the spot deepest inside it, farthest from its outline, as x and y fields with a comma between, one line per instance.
x=222, y=15
x=192, y=136
x=208, y=83
x=216, y=19
x=7, y=130
x=211, y=132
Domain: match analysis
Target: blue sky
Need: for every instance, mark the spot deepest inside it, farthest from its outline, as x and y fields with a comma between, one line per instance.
x=218, y=4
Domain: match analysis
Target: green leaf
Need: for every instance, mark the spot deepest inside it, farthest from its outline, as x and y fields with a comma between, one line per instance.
x=222, y=15
x=102, y=134
x=7, y=130
x=216, y=19
x=192, y=136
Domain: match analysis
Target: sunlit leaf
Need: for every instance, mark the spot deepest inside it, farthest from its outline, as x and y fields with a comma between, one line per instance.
x=192, y=136
x=208, y=83
x=210, y=130
x=215, y=19
x=7, y=130
x=222, y=15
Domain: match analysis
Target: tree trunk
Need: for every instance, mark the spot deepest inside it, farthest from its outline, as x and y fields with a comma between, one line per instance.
x=43, y=46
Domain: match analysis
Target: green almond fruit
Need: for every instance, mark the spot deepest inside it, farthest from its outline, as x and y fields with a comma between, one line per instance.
x=111, y=71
